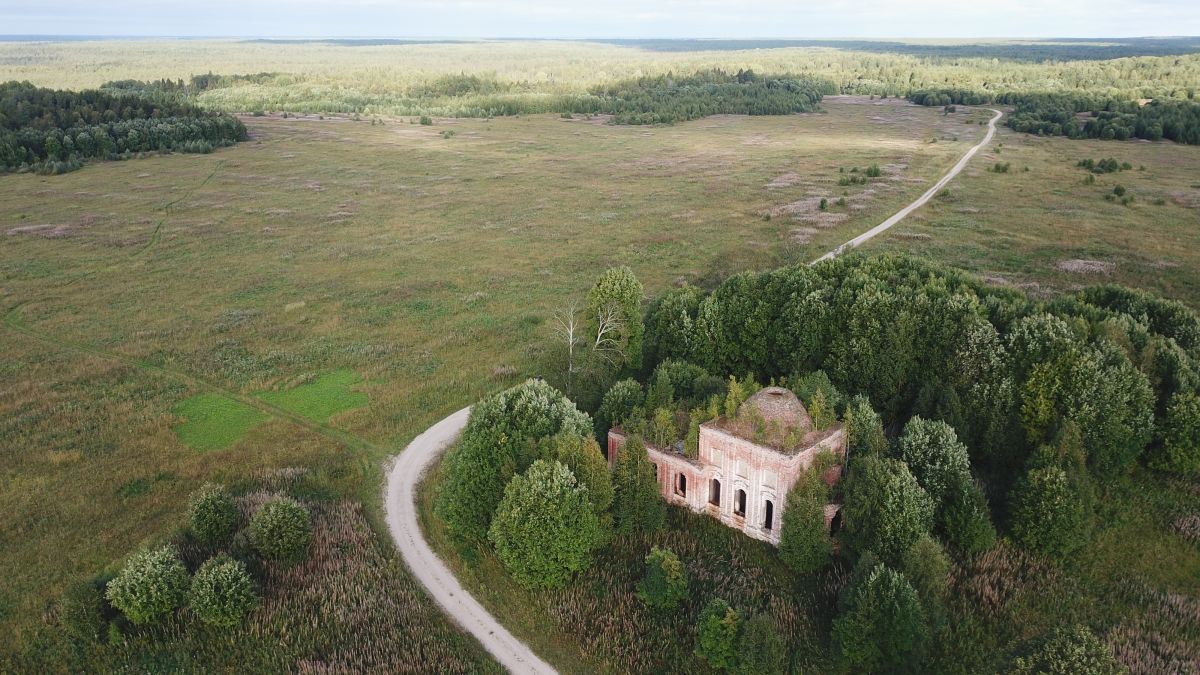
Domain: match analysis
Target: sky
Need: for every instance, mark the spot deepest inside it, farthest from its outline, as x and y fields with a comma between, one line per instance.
x=604, y=18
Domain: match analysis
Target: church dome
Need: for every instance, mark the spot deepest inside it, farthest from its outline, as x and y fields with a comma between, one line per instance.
x=776, y=404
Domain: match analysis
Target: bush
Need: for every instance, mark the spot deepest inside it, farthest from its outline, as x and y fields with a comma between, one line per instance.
x=665, y=584
x=222, y=592
x=82, y=614
x=1049, y=515
x=1068, y=651
x=637, y=503
x=965, y=521
x=545, y=528
x=281, y=529
x=886, y=509
x=881, y=627
x=717, y=634
x=1180, y=447
x=152, y=584
x=426, y=120
x=760, y=650
x=213, y=514
x=804, y=541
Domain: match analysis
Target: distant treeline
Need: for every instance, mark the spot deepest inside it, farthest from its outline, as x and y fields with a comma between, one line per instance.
x=1078, y=115
x=53, y=131
x=666, y=99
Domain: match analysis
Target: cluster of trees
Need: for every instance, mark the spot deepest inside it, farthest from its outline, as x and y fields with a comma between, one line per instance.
x=1082, y=115
x=666, y=99
x=155, y=582
x=54, y=131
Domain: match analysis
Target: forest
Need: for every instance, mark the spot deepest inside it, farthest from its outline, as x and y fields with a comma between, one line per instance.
x=985, y=429
x=53, y=131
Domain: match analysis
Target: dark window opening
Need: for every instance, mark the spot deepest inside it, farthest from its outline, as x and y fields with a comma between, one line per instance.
x=714, y=493
x=681, y=485
x=739, y=504
x=836, y=524
x=655, y=470
x=769, y=521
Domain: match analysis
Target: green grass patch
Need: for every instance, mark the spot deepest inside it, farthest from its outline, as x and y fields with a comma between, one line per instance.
x=321, y=398
x=213, y=421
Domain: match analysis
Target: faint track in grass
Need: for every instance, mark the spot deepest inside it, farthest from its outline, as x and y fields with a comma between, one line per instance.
x=920, y=201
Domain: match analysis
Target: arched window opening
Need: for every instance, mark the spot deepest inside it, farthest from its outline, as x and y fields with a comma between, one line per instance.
x=714, y=492
x=835, y=525
x=769, y=520
x=655, y=465
x=739, y=504
x=681, y=485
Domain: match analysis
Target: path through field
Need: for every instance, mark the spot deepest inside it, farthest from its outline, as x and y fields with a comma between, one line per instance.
x=903, y=213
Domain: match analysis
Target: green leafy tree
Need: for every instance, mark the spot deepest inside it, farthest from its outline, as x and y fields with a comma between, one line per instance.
x=281, y=529
x=1069, y=651
x=936, y=458
x=582, y=456
x=965, y=521
x=881, y=626
x=760, y=649
x=804, y=540
x=1048, y=513
x=545, y=528
x=717, y=634
x=1180, y=447
x=927, y=568
x=222, y=592
x=886, y=510
x=213, y=514
x=662, y=431
x=500, y=439
x=864, y=429
x=666, y=583
x=152, y=584
x=670, y=327
x=637, y=502
x=619, y=292
x=618, y=405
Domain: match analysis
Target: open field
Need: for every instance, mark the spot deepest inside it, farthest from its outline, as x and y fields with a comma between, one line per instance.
x=413, y=269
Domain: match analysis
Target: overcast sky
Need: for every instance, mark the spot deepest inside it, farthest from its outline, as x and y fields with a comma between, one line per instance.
x=604, y=18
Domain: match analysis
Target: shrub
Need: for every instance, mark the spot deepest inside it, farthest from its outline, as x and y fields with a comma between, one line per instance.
x=1068, y=651
x=152, y=584
x=426, y=120
x=213, y=514
x=1049, y=515
x=637, y=504
x=281, y=529
x=760, y=650
x=881, y=626
x=82, y=614
x=965, y=521
x=886, y=509
x=545, y=528
x=222, y=592
x=717, y=634
x=874, y=171
x=665, y=584
x=804, y=542
x=933, y=453
x=1180, y=447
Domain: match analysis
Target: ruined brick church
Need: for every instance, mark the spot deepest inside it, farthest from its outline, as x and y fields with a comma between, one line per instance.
x=746, y=466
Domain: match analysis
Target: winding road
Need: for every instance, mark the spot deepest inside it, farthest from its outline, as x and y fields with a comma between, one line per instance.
x=903, y=213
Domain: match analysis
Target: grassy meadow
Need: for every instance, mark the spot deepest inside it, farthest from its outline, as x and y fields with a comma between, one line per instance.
x=317, y=296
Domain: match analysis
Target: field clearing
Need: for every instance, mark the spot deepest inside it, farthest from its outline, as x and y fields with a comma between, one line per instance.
x=429, y=261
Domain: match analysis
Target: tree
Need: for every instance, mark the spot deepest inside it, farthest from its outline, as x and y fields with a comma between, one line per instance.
x=637, y=503
x=1068, y=651
x=927, y=568
x=965, y=521
x=222, y=592
x=545, y=528
x=864, y=429
x=618, y=289
x=617, y=406
x=1180, y=446
x=500, y=439
x=717, y=634
x=662, y=431
x=152, y=584
x=881, y=626
x=934, y=455
x=582, y=456
x=804, y=540
x=886, y=509
x=760, y=650
x=1049, y=515
x=666, y=583
x=281, y=529
x=213, y=514
x=670, y=327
